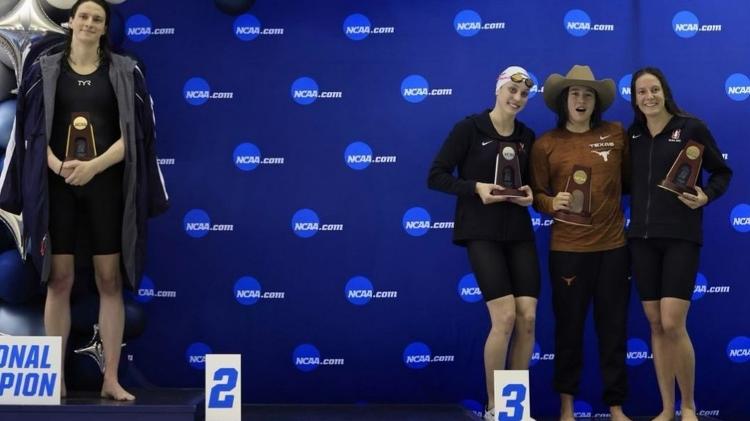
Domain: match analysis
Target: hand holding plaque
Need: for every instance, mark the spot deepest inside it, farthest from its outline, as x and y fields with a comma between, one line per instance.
x=684, y=173
x=507, y=171
x=81, y=144
x=579, y=187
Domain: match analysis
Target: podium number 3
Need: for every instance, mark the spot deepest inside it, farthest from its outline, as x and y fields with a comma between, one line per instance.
x=215, y=401
x=515, y=404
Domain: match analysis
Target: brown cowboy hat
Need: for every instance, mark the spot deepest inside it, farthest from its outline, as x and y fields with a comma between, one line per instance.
x=578, y=75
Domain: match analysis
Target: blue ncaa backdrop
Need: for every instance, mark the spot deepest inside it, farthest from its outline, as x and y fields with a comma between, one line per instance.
x=295, y=141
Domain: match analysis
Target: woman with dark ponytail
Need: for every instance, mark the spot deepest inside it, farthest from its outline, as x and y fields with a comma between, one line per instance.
x=666, y=232
x=84, y=174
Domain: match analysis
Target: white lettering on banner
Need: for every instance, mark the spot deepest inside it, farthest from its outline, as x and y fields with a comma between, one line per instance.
x=141, y=30
x=247, y=30
x=197, y=226
x=197, y=94
x=470, y=291
x=739, y=353
x=305, y=226
x=686, y=27
x=410, y=359
x=463, y=26
x=358, y=159
x=357, y=29
x=579, y=25
x=415, y=91
x=417, y=224
x=248, y=293
x=306, y=93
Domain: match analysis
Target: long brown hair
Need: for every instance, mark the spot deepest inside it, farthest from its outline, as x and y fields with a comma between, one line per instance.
x=104, y=48
x=669, y=102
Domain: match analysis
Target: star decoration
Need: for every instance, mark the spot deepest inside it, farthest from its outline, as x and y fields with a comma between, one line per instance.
x=19, y=27
x=28, y=16
x=94, y=349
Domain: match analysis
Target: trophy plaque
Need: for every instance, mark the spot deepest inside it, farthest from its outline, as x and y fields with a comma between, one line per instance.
x=81, y=144
x=507, y=171
x=579, y=186
x=684, y=173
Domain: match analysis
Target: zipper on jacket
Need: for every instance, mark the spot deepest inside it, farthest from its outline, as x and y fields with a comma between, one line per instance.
x=33, y=86
x=650, y=170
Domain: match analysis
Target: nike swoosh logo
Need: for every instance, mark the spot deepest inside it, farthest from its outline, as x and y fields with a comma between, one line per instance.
x=636, y=136
x=604, y=137
x=487, y=142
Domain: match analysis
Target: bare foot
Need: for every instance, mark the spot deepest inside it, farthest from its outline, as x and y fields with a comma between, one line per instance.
x=113, y=390
x=688, y=414
x=665, y=416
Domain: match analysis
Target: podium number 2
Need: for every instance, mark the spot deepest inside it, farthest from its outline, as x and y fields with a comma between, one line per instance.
x=215, y=401
x=515, y=404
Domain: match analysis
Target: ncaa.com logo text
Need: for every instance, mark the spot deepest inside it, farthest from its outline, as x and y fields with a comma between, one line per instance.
x=247, y=291
x=738, y=349
x=247, y=157
x=468, y=23
x=578, y=24
x=582, y=409
x=702, y=288
x=359, y=291
x=685, y=24
x=739, y=218
x=306, y=223
x=417, y=221
x=418, y=355
x=537, y=220
x=306, y=357
x=537, y=355
x=196, y=91
x=536, y=88
x=358, y=156
x=468, y=289
x=139, y=28
x=415, y=88
x=358, y=27
x=637, y=352
x=195, y=354
x=197, y=224
x=737, y=87
x=147, y=291
x=247, y=27
x=699, y=412
x=305, y=91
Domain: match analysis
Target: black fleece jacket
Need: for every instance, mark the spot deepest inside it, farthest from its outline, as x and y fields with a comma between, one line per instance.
x=656, y=212
x=472, y=148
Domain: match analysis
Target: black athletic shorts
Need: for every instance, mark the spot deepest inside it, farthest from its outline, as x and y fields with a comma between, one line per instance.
x=664, y=267
x=93, y=210
x=505, y=268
